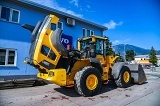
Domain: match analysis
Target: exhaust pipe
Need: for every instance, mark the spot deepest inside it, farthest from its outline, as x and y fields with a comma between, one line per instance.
x=29, y=27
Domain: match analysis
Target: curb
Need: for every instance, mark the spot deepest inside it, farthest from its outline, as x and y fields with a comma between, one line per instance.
x=21, y=83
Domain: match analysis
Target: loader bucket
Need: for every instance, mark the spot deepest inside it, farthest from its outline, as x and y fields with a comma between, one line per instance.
x=137, y=73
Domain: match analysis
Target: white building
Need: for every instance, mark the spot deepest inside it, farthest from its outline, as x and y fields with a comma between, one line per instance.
x=144, y=59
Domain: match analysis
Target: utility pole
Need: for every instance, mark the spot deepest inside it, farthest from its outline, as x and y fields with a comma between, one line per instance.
x=124, y=53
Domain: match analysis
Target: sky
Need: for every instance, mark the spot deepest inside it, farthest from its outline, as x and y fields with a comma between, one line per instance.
x=135, y=22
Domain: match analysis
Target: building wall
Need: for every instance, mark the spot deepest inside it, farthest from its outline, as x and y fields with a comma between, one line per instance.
x=137, y=59
x=13, y=36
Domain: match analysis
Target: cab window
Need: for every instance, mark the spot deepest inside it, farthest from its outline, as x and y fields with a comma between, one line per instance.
x=100, y=46
x=85, y=43
x=48, y=52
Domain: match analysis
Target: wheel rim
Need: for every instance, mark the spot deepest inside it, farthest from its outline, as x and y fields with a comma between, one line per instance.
x=126, y=76
x=91, y=82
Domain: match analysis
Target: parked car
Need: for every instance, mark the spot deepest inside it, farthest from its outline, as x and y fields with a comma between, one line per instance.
x=156, y=65
x=146, y=66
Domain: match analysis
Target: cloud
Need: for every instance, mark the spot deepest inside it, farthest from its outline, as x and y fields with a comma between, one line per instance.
x=88, y=6
x=112, y=24
x=73, y=13
x=124, y=41
x=75, y=2
x=55, y=5
x=116, y=42
x=127, y=40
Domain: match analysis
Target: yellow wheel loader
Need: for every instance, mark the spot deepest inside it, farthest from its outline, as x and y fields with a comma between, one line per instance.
x=85, y=68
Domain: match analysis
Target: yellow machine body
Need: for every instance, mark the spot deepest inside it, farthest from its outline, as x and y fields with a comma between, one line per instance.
x=58, y=65
x=59, y=76
x=44, y=39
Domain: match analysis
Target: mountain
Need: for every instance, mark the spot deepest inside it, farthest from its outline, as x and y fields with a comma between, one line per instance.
x=138, y=50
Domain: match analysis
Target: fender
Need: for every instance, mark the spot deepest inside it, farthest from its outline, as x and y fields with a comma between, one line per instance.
x=96, y=63
x=56, y=42
x=117, y=68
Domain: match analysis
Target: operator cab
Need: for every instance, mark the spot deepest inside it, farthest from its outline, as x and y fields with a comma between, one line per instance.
x=93, y=45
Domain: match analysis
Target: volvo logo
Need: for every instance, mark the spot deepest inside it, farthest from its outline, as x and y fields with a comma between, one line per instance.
x=63, y=40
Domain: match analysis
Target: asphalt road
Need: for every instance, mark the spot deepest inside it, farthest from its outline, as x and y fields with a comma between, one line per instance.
x=152, y=99
x=147, y=94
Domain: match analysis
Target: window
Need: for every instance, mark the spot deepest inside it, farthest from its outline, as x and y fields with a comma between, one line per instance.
x=9, y=14
x=87, y=32
x=84, y=32
x=8, y=57
x=48, y=52
x=45, y=50
x=5, y=13
x=53, y=26
x=84, y=43
x=92, y=32
x=14, y=16
x=100, y=46
x=58, y=25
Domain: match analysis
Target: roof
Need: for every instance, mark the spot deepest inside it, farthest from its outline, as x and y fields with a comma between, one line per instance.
x=52, y=10
x=145, y=56
x=141, y=56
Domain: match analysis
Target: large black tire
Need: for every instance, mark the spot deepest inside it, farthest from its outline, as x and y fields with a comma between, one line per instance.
x=81, y=81
x=122, y=81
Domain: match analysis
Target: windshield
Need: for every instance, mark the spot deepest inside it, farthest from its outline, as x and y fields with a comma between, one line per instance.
x=85, y=43
x=100, y=46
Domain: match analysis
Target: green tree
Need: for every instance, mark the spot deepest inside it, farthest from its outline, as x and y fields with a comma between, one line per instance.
x=130, y=55
x=120, y=59
x=109, y=50
x=152, y=56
